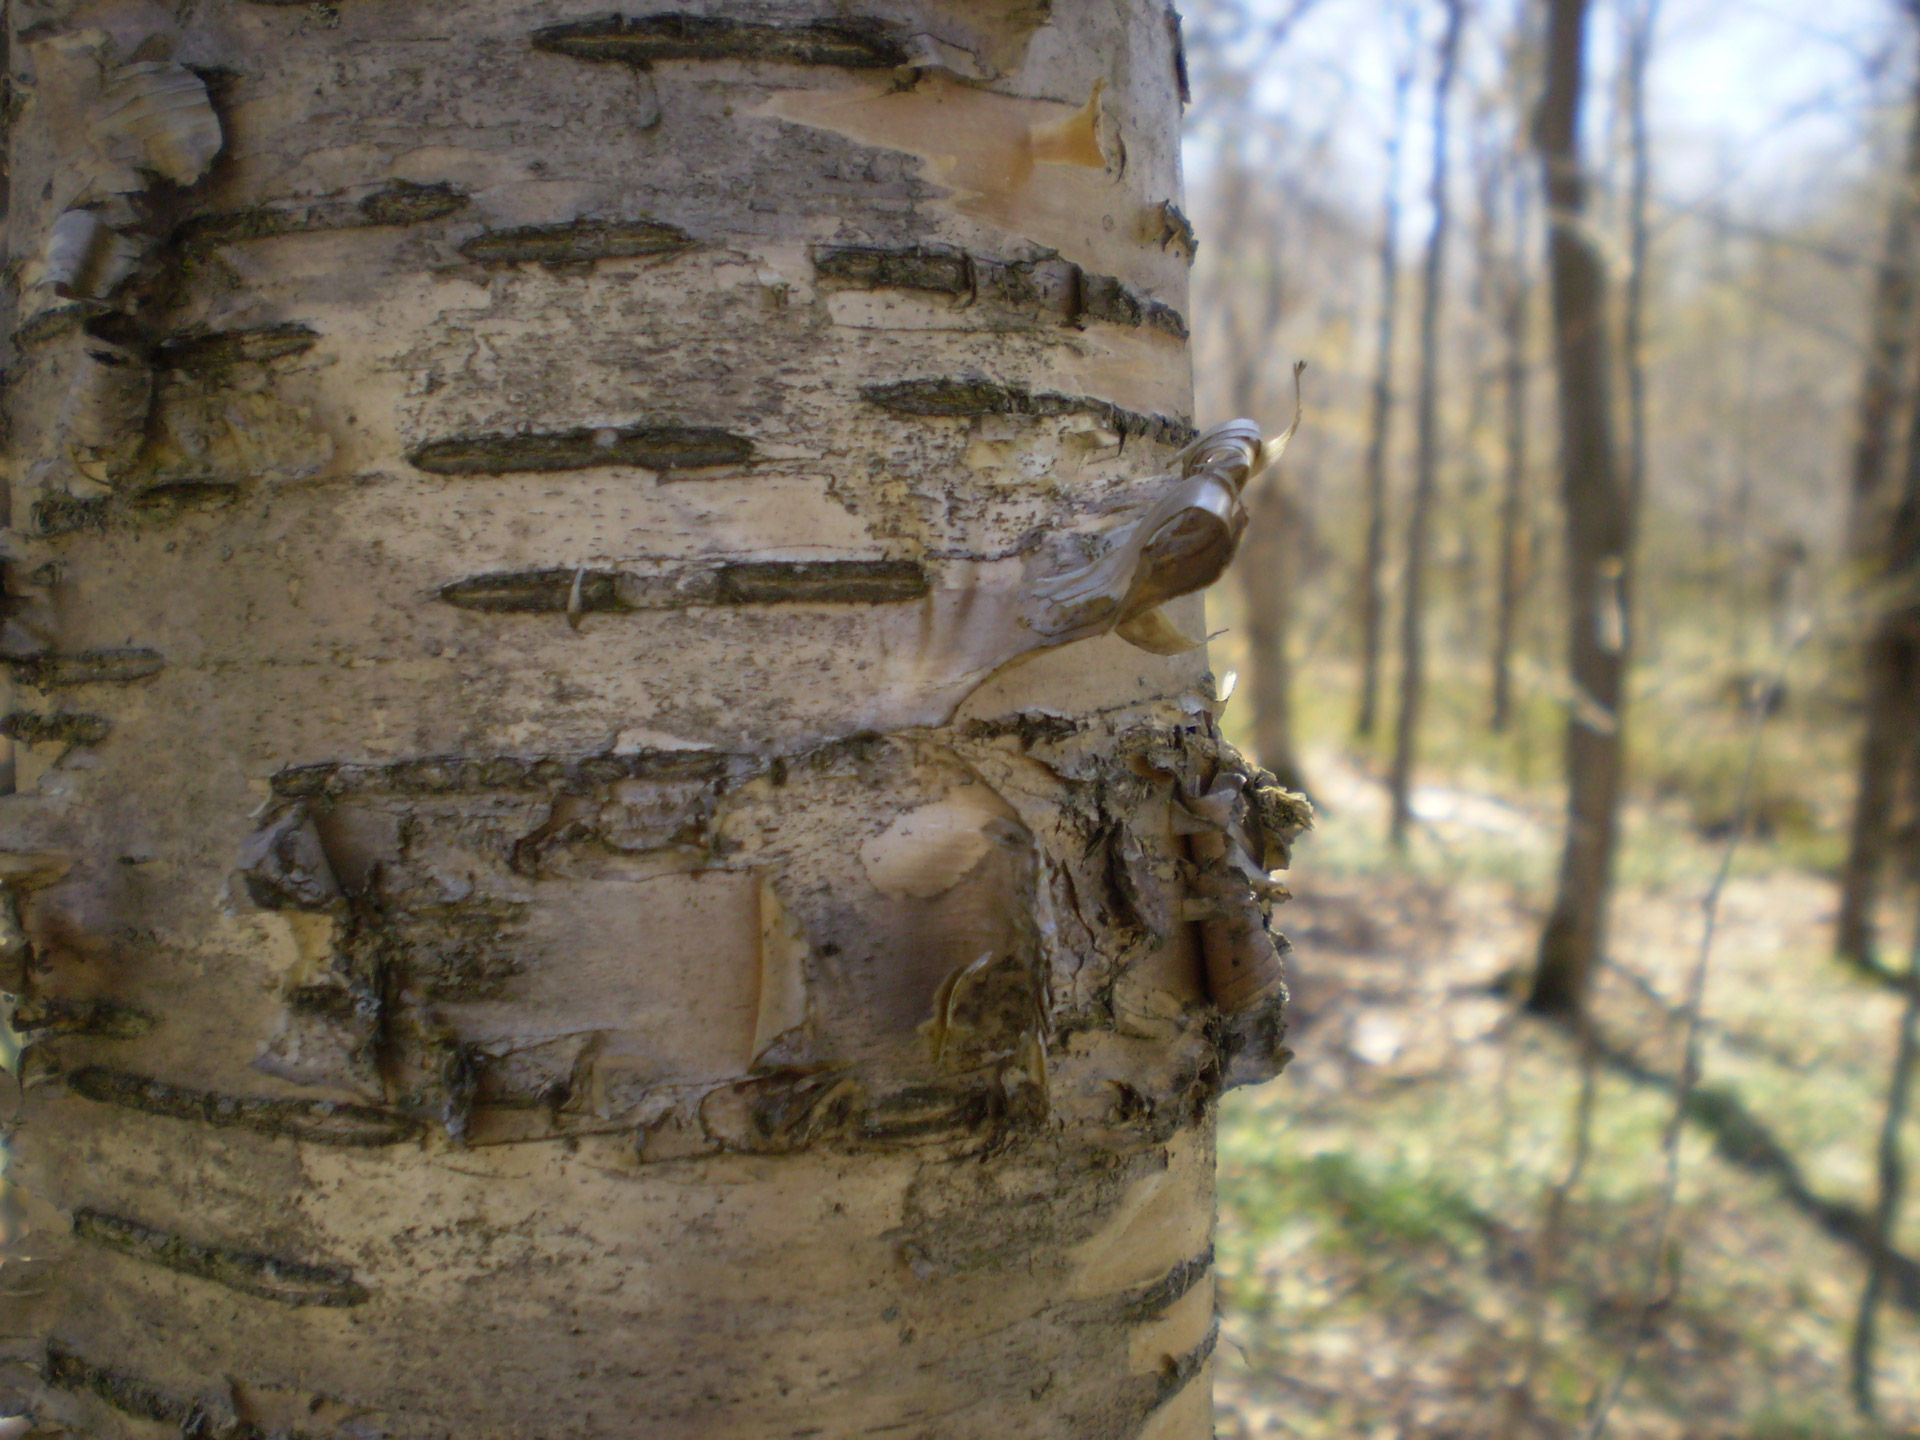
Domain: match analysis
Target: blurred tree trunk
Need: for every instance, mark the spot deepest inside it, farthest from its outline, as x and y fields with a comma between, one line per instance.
x=1373, y=560
x=1513, y=541
x=539, y=902
x=1599, y=535
x=1413, y=597
x=1516, y=299
x=1885, y=756
x=1268, y=570
x=1271, y=550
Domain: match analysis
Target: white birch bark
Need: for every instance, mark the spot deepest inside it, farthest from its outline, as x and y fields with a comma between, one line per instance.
x=540, y=901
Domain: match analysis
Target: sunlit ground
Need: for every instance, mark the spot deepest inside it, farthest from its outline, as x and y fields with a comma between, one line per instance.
x=1381, y=1253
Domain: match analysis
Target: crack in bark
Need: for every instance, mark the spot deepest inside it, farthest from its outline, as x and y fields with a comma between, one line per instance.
x=223, y=349
x=973, y=396
x=647, y=447
x=43, y=1016
x=1158, y=1297
x=1050, y=285
x=65, y=1369
x=67, y=515
x=766, y=582
x=268, y=1277
x=52, y=671
x=400, y=203
x=850, y=44
x=62, y=729
x=1178, y=1371
x=324, y=1122
x=577, y=242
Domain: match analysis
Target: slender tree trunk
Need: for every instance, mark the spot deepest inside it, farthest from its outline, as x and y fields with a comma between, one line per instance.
x=1599, y=536
x=1427, y=457
x=1373, y=560
x=1887, y=719
x=540, y=901
x=1513, y=483
x=1267, y=570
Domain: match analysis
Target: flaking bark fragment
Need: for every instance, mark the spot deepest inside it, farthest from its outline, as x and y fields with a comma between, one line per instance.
x=851, y=44
x=268, y=1277
x=646, y=447
x=324, y=1122
x=578, y=242
x=973, y=396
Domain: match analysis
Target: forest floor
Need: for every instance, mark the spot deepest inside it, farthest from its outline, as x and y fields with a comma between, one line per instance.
x=1383, y=1267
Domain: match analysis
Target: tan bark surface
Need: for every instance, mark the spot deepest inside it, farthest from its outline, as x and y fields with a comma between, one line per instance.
x=541, y=900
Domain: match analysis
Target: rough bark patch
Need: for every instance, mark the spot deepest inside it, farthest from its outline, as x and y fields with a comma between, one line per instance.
x=290, y=1282
x=578, y=242
x=855, y=44
x=455, y=774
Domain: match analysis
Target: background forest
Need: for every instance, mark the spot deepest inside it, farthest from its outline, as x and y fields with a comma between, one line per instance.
x=1666, y=1200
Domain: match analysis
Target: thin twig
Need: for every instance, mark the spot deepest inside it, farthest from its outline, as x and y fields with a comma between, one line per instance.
x=1763, y=704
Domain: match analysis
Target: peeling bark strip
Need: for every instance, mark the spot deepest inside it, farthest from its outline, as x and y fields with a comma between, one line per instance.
x=225, y=348
x=30, y=729
x=1051, y=285
x=760, y=582
x=968, y=397
x=646, y=447
x=291, y=1282
x=453, y=774
x=401, y=203
x=86, y=667
x=578, y=242
x=1155, y=1299
x=855, y=44
x=324, y=1122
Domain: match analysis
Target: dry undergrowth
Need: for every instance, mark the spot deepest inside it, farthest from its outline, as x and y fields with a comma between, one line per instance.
x=1381, y=1204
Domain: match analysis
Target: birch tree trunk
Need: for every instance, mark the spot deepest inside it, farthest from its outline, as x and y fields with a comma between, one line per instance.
x=539, y=901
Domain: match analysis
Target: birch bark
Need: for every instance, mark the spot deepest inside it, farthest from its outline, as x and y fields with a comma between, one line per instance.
x=539, y=898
